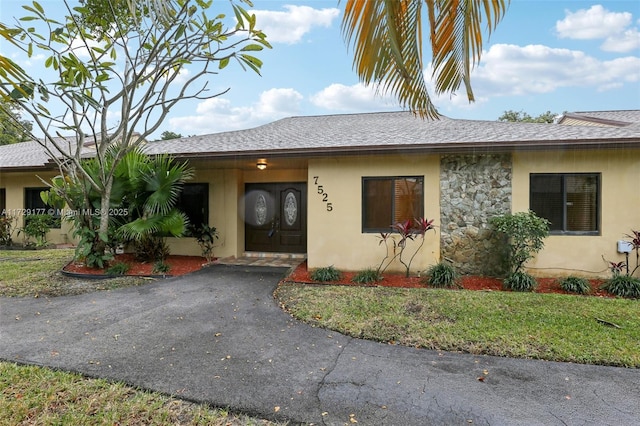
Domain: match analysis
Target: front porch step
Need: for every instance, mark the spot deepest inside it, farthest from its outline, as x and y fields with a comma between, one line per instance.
x=265, y=259
x=271, y=255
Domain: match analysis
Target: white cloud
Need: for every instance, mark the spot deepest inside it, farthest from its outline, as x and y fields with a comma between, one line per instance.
x=508, y=70
x=625, y=42
x=600, y=23
x=593, y=23
x=218, y=114
x=356, y=98
x=289, y=27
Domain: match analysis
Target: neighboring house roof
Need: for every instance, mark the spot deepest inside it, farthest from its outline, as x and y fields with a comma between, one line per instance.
x=602, y=118
x=375, y=132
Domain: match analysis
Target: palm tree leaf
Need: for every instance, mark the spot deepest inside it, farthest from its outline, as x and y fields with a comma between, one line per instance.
x=456, y=39
x=175, y=223
x=387, y=40
x=163, y=182
x=141, y=227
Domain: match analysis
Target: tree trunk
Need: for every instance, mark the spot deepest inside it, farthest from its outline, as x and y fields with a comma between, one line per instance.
x=103, y=230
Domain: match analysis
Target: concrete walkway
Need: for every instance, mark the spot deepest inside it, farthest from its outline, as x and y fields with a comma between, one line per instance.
x=218, y=336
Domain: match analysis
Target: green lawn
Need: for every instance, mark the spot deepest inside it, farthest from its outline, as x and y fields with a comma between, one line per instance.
x=524, y=325
x=34, y=273
x=34, y=395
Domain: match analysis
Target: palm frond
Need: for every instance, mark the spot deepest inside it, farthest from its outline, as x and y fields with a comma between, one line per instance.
x=456, y=39
x=387, y=40
x=386, y=36
x=141, y=227
x=163, y=182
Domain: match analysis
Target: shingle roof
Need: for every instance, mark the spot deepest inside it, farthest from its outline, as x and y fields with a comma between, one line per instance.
x=32, y=154
x=352, y=133
x=388, y=131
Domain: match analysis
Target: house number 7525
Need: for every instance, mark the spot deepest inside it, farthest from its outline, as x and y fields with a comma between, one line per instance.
x=321, y=193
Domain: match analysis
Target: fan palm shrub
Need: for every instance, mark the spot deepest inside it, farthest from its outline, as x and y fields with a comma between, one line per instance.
x=155, y=186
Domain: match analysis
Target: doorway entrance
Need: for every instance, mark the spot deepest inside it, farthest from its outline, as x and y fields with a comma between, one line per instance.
x=276, y=217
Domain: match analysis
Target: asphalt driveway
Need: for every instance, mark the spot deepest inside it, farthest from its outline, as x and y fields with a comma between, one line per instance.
x=218, y=336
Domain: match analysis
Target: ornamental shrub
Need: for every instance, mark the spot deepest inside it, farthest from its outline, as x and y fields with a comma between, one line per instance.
x=524, y=237
x=328, y=273
x=519, y=281
x=574, y=284
x=441, y=275
x=366, y=276
x=119, y=268
x=623, y=286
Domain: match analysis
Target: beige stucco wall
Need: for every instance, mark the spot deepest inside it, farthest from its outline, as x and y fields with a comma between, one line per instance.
x=14, y=184
x=335, y=237
x=226, y=204
x=620, y=204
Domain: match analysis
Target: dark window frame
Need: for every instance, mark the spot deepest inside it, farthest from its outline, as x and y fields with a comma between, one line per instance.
x=3, y=201
x=204, y=192
x=392, y=197
x=563, y=179
x=40, y=205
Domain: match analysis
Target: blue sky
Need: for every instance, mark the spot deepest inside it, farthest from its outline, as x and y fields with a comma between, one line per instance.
x=545, y=55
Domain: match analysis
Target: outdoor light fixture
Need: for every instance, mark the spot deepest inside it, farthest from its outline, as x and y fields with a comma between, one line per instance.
x=262, y=163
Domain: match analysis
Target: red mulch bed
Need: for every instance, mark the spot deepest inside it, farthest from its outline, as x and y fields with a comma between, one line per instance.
x=179, y=265
x=545, y=285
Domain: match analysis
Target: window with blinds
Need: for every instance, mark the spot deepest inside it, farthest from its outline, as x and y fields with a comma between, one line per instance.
x=390, y=200
x=571, y=202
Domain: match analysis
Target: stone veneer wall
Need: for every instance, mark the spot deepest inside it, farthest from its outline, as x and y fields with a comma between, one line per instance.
x=473, y=189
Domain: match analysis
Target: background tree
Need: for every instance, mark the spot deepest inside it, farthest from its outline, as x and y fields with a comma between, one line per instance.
x=168, y=135
x=124, y=66
x=13, y=128
x=521, y=116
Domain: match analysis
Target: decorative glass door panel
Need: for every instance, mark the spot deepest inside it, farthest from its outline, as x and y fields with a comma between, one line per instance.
x=275, y=217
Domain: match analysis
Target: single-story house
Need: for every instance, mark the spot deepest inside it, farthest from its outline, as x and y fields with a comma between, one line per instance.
x=326, y=186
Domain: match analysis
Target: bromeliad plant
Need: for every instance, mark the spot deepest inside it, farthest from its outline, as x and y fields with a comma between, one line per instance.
x=396, y=243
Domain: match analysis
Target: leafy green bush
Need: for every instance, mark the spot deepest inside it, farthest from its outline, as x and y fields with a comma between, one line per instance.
x=575, y=285
x=519, y=281
x=37, y=226
x=623, y=286
x=161, y=267
x=366, y=276
x=441, y=275
x=328, y=273
x=119, y=268
x=87, y=246
x=7, y=227
x=525, y=233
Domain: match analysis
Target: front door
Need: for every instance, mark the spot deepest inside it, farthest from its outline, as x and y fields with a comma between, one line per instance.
x=276, y=217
